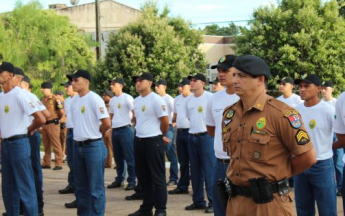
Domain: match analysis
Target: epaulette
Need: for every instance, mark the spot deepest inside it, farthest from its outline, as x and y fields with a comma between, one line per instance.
x=279, y=105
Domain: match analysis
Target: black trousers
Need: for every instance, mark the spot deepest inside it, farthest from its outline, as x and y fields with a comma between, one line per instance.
x=150, y=170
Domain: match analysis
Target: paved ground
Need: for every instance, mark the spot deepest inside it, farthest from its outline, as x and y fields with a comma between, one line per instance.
x=116, y=204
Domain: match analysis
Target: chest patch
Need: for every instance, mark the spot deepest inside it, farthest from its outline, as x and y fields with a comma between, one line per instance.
x=143, y=108
x=119, y=105
x=200, y=109
x=294, y=119
x=83, y=109
x=7, y=109
x=261, y=123
x=312, y=124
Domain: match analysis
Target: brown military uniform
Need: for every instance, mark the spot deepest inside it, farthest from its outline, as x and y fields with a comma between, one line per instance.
x=51, y=132
x=63, y=132
x=109, y=145
x=261, y=142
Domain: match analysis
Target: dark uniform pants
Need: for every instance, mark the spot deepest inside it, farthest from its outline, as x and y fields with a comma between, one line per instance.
x=150, y=169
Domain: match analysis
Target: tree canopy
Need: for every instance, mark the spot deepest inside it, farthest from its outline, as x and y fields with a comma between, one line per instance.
x=156, y=43
x=298, y=37
x=230, y=30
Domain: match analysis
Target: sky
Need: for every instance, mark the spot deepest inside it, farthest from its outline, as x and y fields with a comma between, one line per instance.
x=197, y=12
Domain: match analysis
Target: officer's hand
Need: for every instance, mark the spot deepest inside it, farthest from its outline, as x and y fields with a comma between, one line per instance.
x=107, y=133
x=166, y=140
x=40, y=130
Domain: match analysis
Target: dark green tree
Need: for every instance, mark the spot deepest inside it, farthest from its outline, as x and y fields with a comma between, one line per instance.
x=298, y=37
x=214, y=29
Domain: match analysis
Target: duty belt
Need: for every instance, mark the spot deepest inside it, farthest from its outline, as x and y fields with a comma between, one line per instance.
x=277, y=187
x=55, y=121
x=87, y=142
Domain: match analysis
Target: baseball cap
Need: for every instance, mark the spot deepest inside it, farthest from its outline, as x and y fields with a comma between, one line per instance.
x=117, y=80
x=26, y=79
x=252, y=65
x=225, y=62
x=327, y=84
x=214, y=81
x=6, y=66
x=58, y=92
x=47, y=85
x=18, y=71
x=161, y=82
x=183, y=82
x=143, y=76
x=286, y=80
x=80, y=73
x=31, y=86
x=109, y=93
x=66, y=84
x=198, y=76
x=310, y=78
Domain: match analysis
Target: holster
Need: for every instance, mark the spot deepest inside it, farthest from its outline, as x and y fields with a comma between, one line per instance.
x=261, y=190
x=222, y=192
x=62, y=125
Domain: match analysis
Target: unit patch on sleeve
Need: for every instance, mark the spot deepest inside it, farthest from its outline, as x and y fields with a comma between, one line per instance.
x=294, y=119
x=302, y=137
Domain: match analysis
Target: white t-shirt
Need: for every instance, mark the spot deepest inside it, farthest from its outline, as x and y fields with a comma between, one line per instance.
x=180, y=109
x=332, y=102
x=147, y=111
x=121, y=107
x=169, y=101
x=214, y=115
x=292, y=101
x=318, y=121
x=68, y=111
x=196, y=111
x=339, y=122
x=33, y=98
x=87, y=112
x=15, y=106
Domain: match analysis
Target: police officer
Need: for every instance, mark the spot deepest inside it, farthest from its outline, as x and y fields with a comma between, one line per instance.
x=216, y=85
x=63, y=130
x=267, y=143
x=200, y=145
x=214, y=114
x=107, y=95
x=69, y=142
x=90, y=121
x=182, y=136
x=51, y=129
x=160, y=88
x=151, y=122
x=17, y=175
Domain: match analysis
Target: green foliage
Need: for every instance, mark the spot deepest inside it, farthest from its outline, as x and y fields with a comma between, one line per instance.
x=45, y=45
x=341, y=8
x=298, y=37
x=156, y=43
x=231, y=30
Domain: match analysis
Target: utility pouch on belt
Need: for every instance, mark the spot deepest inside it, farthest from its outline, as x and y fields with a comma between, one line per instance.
x=222, y=192
x=261, y=190
x=62, y=126
x=56, y=121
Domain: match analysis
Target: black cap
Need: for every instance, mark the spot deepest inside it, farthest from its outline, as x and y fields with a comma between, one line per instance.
x=184, y=81
x=310, y=78
x=161, y=82
x=225, y=62
x=80, y=73
x=66, y=84
x=252, y=65
x=286, y=80
x=6, y=66
x=31, y=86
x=327, y=84
x=26, y=79
x=117, y=80
x=18, y=71
x=198, y=76
x=47, y=85
x=58, y=92
x=214, y=81
x=143, y=76
x=109, y=93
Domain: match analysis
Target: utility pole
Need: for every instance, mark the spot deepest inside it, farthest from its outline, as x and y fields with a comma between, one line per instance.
x=98, y=30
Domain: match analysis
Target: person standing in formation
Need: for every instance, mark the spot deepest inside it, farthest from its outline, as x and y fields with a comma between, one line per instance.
x=216, y=85
x=286, y=85
x=107, y=96
x=63, y=130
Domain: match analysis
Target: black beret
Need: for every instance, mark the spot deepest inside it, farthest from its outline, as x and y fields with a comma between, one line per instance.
x=225, y=62
x=252, y=65
x=47, y=85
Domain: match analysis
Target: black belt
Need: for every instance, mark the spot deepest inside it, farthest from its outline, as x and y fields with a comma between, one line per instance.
x=12, y=138
x=247, y=191
x=56, y=121
x=87, y=142
x=69, y=129
x=183, y=129
x=199, y=134
x=224, y=161
x=126, y=126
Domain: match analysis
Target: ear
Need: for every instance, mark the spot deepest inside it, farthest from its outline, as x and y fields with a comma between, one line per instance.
x=261, y=80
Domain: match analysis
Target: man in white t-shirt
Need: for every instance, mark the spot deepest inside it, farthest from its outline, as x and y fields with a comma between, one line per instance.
x=286, y=86
x=182, y=136
x=69, y=142
x=316, y=183
x=200, y=145
x=327, y=93
x=216, y=85
x=160, y=88
x=121, y=112
x=151, y=121
x=18, y=183
x=90, y=122
x=214, y=115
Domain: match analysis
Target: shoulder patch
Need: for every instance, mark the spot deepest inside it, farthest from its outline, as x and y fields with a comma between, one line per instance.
x=293, y=118
x=302, y=137
x=227, y=116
